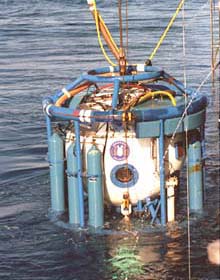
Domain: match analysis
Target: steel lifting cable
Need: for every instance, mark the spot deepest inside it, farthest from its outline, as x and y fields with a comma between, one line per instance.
x=125, y=122
x=186, y=144
x=217, y=50
x=167, y=29
x=127, y=28
x=212, y=40
x=120, y=23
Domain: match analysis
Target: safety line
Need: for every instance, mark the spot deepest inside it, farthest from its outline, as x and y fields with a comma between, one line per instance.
x=120, y=23
x=212, y=40
x=167, y=29
x=127, y=29
x=186, y=145
x=188, y=208
x=203, y=7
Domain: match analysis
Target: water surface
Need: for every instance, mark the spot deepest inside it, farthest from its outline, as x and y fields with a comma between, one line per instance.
x=45, y=45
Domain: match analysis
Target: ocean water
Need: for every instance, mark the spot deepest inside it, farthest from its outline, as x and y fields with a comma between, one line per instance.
x=45, y=45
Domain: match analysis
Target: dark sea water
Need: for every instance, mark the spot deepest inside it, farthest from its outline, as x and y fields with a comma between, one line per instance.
x=44, y=45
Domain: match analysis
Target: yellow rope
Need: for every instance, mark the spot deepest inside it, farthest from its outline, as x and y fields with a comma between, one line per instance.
x=158, y=92
x=167, y=29
x=97, y=17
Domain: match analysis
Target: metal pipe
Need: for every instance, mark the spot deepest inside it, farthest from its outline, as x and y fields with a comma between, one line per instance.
x=115, y=93
x=130, y=68
x=139, y=206
x=162, y=175
x=203, y=155
x=148, y=114
x=126, y=78
x=69, y=87
x=150, y=205
x=49, y=127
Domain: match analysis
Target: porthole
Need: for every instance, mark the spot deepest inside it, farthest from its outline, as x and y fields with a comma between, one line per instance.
x=124, y=175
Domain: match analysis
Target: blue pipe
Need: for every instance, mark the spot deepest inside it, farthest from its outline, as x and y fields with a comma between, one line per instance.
x=79, y=172
x=150, y=205
x=175, y=82
x=71, y=86
x=115, y=93
x=139, y=206
x=162, y=175
x=116, y=69
x=150, y=72
x=126, y=79
x=140, y=115
x=49, y=127
x=202, y=132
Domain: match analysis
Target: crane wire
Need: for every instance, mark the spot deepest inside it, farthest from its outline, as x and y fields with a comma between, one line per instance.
x=127, y=29
x=120, y=23
x=186, y=142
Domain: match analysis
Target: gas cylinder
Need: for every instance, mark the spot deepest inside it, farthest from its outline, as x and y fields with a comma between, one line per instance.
x=95, y=188
x=56, y=161
x=195, y=174
x=73, y=189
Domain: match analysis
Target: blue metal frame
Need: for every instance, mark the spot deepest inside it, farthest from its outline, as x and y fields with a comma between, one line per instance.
x=49, y=127
x=139, y=113
x=202, y=133
x=115, y=93
x=199, y=102
x=153, y=206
